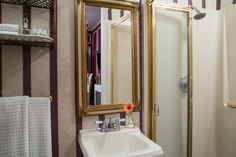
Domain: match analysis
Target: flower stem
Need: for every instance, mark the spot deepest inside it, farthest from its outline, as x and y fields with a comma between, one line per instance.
x=132, y=119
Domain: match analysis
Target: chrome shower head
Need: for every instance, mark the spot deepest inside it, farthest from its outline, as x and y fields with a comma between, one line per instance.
x=199, y=14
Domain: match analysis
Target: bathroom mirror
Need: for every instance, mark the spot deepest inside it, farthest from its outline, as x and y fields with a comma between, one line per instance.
x=107, y=56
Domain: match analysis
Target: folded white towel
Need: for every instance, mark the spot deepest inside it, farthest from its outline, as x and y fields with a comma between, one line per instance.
x=8, y=32
x=9, y=27
x=40, y=144
x=14, y=140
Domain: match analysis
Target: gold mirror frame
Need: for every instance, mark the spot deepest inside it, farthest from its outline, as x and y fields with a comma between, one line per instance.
x=151, y=26
x=83, y=108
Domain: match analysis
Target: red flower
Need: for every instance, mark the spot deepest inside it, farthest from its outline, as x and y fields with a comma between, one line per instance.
x=128, y=107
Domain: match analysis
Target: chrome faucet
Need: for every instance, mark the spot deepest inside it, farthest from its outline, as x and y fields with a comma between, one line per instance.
x=110, y=126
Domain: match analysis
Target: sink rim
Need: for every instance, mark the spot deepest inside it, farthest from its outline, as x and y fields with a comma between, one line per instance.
x=153, y=148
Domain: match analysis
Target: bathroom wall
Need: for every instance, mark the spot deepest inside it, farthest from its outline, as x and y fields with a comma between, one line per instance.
x=206, y=74
x=206, y=80
x=12, y=59
x=226, y=3
x=66, y=82
x=227, y=116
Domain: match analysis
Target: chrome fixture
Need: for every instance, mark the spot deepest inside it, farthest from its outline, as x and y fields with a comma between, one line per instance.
x=110, y=126
x=25, y=26
x=199, y=14
x=183, y=84
x=25, y=23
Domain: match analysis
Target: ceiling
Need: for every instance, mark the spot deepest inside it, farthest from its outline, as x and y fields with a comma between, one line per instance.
x=93, y=16
x=226, y=3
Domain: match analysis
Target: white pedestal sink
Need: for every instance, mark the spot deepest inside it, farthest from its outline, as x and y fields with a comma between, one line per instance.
x=128, y=142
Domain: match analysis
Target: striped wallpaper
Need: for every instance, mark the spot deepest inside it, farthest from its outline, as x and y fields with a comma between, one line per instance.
x=217, y=4
x=31, y=71
x=0, y=54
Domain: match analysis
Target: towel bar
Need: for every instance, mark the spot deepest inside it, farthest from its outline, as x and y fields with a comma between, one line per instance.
x=50, y=97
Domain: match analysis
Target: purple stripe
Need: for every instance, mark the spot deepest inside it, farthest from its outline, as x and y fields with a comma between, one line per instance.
x=27, y=57
x=122, y=116
x=26, y=70
x=1, y=70
x=121, y=13
x=109, y=14
x=175, y=1
x=234, y=1
x=190, y=2
x=218, y=4
x=27, y=14
x=53, y=81
x=0, y=54
x=101, y=118
x=203, y=3
x=78, y=128
x=142, y=63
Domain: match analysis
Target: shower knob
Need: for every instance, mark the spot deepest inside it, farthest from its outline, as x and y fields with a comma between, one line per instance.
x=183, y=84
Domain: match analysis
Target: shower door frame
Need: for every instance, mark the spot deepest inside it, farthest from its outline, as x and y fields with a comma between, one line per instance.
x=152, y=108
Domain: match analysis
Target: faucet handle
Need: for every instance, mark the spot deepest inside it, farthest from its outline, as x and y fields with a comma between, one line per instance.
x=104, y=124
x=117, y=122
x=110, y=124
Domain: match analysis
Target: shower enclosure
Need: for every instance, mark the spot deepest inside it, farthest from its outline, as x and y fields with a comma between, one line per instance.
x=170, y=78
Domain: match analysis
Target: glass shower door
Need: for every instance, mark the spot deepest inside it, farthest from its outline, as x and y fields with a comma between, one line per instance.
x=170, y=72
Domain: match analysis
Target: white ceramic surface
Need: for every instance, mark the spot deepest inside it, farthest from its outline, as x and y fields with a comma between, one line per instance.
x=128, y=142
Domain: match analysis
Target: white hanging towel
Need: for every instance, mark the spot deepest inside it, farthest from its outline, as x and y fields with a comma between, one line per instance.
x=14, y=127
x=40, y=143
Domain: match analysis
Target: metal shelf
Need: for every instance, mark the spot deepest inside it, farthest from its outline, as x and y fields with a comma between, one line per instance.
x=29, y=40
x=47, y=4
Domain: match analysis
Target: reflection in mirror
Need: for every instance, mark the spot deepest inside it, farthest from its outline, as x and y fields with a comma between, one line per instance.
x=109, y=56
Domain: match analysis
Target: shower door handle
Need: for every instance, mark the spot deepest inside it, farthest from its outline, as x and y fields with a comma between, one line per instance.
x=156, y=110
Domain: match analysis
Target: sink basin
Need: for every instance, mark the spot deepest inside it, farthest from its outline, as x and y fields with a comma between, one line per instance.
x=128, y=142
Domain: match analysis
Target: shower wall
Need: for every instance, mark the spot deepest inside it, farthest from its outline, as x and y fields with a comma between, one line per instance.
x=227, y=116
x=207, y=46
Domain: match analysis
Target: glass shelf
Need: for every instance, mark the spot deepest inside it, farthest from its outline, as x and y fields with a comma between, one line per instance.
x=47, y=4
x=29, y=40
